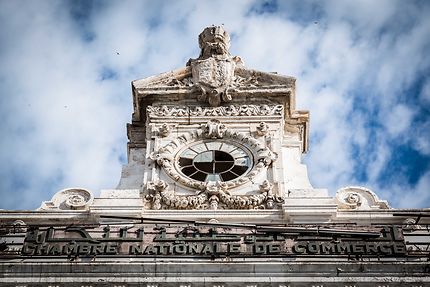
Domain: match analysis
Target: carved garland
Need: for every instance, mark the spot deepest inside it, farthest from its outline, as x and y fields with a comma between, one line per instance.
x=165, y=156
x=215, y=196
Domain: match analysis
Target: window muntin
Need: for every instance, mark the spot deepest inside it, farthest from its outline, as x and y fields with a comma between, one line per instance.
x=214, y=161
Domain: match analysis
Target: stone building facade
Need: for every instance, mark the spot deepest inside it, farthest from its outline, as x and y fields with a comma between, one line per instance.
x=215, y=194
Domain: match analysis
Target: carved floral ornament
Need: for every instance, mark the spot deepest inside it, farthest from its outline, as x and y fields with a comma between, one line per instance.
x=214, y=196
x=166, y=157
x=231, y=110
x=211, y=194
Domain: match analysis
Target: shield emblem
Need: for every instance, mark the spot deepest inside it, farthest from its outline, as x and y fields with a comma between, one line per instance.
x=213, y=72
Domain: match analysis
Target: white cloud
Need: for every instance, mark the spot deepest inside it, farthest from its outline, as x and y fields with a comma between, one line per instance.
x=398, y=120
x=354, y=61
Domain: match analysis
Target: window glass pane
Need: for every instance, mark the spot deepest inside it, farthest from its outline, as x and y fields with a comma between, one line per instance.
x=199, y=148
x=238, y=153
x=213, y=177
x=188, y=153
x=227, y=147
x=222, y=156
x=226, y=176
x=239, y=169
x=189, y=170
x=200, y=176
x=205, y=166
x=223, y=166
x=242, y=161
x=185, y=161
x=213, y=145
x=204, y=157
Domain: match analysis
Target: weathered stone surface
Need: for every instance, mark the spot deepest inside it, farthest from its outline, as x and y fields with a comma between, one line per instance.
x=198, y=117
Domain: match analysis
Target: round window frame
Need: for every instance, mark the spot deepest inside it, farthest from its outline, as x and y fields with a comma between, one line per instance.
x=232, y=143
x=165, y=156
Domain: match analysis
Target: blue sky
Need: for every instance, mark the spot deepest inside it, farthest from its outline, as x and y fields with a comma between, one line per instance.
x=362, y=69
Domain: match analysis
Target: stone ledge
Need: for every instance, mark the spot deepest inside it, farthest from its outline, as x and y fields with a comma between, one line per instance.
x=207, y=273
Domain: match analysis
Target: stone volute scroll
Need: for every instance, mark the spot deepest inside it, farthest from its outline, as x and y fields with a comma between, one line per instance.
x=357, y=197
x=213, y=70
x=69, y=199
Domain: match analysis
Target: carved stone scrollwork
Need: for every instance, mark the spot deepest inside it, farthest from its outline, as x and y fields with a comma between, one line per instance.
x=161, y=198
x=19, y=226
x=271, y=200
x=410, y=224
x=75, y=201
x=214, y=129
x=353, y=199
x=165, y=156
x=215, y=196
x=71, y=198
x=242, y=110
x=356, y=197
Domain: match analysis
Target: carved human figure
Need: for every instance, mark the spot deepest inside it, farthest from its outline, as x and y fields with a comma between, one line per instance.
x=214, y=41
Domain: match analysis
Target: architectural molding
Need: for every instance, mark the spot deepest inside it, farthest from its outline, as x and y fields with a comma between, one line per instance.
x=224, y=111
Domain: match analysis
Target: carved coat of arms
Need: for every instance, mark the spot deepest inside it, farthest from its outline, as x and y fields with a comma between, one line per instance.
x=212, y=78
x=213, y=71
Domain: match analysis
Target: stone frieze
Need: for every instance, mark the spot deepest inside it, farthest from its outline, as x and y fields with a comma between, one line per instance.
x=232, y=110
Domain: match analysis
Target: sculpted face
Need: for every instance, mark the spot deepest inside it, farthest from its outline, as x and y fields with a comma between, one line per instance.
x=214, y=41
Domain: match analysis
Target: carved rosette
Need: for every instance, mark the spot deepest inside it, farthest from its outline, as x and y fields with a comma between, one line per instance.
x=166, y=156
x=356, y=197
x=215, y=196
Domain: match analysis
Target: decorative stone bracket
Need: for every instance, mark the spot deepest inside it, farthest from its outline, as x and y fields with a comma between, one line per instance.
x=215, y=196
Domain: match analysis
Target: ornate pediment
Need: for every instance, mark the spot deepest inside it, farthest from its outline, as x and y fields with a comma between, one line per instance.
x=242, y=79
x=217, y=82
x=215, y=77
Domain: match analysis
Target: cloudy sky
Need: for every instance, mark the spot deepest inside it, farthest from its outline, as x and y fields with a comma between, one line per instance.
x=362, y=69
